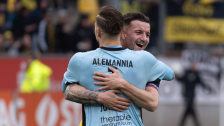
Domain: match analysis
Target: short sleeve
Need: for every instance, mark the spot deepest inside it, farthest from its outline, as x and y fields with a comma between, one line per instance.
x=72, y=73
x=157, y=69
x=163, y=71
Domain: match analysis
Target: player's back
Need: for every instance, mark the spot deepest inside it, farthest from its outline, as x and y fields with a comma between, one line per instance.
x=131, y=65
x=136, y=67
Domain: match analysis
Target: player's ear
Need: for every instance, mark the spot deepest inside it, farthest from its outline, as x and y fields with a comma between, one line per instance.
x=99, y=33
x=123, y=34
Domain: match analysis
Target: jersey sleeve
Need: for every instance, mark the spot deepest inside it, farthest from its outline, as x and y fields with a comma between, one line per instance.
x=72, y=73
x=154, y=84
x=157, y=69
x=166, y=72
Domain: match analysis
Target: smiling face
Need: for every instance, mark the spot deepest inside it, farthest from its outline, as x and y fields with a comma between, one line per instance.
x=136, y=35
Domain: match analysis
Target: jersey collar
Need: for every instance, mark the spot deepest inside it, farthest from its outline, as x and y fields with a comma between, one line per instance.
x=112, y=48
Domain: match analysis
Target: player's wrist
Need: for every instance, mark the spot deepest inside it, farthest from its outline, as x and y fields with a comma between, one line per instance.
x=123, y=84
x=99, y=99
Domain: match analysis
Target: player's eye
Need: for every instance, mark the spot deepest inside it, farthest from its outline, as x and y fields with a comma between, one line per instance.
x=148, y=34
x=138, y=32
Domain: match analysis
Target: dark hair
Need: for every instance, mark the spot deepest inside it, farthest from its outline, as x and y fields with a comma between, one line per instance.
x=110, y=20
x=135, y=16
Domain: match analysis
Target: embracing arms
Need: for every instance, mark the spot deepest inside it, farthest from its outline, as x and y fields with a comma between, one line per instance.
x=147, y=98
x=109, y=99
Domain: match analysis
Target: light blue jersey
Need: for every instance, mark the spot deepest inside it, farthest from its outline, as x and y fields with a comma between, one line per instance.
x=136, y=67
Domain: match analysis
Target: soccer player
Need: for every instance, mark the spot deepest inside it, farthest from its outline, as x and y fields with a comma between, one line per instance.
x=137, y=67
x=136, y=30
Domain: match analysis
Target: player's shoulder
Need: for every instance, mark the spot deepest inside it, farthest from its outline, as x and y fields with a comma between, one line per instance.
x=146, y=56
x=83, y=54
x=80, y=55
x=142, y=53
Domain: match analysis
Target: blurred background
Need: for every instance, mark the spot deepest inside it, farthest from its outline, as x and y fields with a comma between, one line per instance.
x=183, y=32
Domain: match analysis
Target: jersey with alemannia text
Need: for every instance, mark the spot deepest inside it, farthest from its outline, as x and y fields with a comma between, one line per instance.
x=136, y=67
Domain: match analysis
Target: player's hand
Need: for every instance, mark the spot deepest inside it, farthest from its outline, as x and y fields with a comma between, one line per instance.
x=112, y=101
x=109, y=81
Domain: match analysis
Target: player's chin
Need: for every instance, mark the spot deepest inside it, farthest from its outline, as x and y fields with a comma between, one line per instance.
x=139, y=48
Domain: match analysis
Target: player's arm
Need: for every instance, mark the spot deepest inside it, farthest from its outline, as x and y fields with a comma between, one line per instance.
x=147, y=99
x=79, y=94
x=76, y=93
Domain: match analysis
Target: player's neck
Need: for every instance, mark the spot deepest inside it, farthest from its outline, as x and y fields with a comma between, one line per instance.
x=110, y=42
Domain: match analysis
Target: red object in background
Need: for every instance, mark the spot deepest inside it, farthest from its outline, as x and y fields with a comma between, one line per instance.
x=8, y=72
x=38, y=109
x=48, y=109
x=12, y=71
